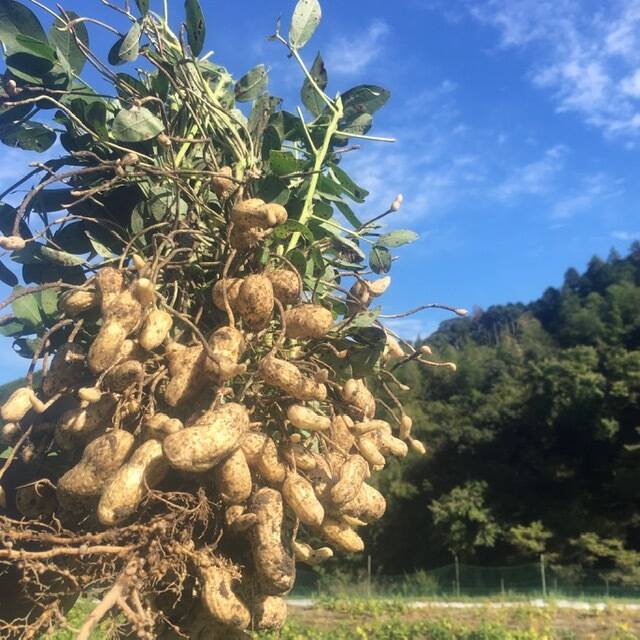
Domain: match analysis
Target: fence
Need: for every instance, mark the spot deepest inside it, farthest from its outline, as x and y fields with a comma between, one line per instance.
x=463, y=580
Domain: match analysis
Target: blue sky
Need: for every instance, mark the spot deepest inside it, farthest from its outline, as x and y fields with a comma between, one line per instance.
x=518, y=125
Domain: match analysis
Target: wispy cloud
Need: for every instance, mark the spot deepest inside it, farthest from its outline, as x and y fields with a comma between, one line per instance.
x=626, y=236
x=534, y=178
x=350, y=54
x=587, y=59
x=412, y=328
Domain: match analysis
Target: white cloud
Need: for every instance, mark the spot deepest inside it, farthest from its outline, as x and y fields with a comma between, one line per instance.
x=587, y=59
x=626, y=236
x=350, y=54
x=536, y=177
x=413, y=327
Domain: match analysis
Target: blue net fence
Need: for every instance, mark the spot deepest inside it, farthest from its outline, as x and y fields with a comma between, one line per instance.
x=463, y=580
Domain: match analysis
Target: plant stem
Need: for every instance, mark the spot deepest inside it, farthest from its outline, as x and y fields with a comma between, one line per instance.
x=320, y=155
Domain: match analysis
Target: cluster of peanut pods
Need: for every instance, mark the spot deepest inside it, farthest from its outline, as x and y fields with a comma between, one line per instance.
x=247, y=413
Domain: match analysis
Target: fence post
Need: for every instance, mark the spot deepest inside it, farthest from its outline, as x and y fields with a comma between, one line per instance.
x=606, y=580
x=457, y=565
x=369, y=575
x=543, y=576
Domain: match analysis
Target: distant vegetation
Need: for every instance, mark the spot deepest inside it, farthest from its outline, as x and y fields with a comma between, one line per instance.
x=534, y=441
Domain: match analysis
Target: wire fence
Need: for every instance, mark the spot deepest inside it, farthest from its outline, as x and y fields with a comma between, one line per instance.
x=463, y=580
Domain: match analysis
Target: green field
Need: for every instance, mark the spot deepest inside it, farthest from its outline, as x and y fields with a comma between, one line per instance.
x=376, y=619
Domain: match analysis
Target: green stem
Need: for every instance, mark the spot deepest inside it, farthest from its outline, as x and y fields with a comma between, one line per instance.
x=320, y=156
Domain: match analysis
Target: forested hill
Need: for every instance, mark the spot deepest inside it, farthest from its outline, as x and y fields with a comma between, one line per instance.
x=534, y=440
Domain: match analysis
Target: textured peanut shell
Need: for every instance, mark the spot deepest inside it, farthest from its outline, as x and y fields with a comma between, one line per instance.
x=355, y=393
x=310, y=389
x=299, y=495
x=254, y=213
x=106, y=346
x=233, y=289
x=352, y=474
x=160, y=425
x=369, y=504
x=341, y=535
x=222, y=184
x=186, y=368
x=155, y=329
x=218, y=598
x=210, y=439
x=78, y=302
x=305, y=418
x=100, y=460
x=370, y=452
x=286, y=285
x=269, y=613
x=80, y=424
x=308, y=321
x=273, y=564
x=233, y=478
x=124, y=376
x=126, y=489
x=261, y=454
x=17, y=405
x=247, y=238
x=298, y=456
x=228, y=344
x=255, y=301
x=109, y=284
x=280, y=373
x=341, y=432
x=36, y=500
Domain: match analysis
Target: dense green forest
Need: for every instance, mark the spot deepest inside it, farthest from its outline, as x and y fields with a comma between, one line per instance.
x=533, y=442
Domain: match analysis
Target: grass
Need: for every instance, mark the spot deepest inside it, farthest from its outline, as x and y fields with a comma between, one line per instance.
x=393, y=619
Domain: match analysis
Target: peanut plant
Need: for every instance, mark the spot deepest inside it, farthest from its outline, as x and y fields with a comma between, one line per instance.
x=195, y=306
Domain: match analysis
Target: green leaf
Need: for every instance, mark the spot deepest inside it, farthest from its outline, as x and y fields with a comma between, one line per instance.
x=72, y=238
x=358, y=123
x=27, y=308
x=355, y=192
x=135, y=125
x=137, y=222
x=130, y=87
x=65, y=43
x=283, y=231
x=305, y=20
x=196, y=27
x=7, y=276
x=29, y=136
x=365, y=98
x=346, y=242
x=131, y=44
x=272, y=189
x=143, y=6
x=48, y=300
x=101, y=249
x=380, y=259
x=12, y=328
x=36, y=46
x=16, y=19
x=310, y=97
x=28, y=66
x=284, y=162
x=397, y=238
x=348, y=213
x=270, y=142
x=252, y=84
x=366, y=318
x=60, y=257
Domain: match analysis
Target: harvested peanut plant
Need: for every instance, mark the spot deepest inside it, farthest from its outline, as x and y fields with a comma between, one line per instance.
x=196, y=310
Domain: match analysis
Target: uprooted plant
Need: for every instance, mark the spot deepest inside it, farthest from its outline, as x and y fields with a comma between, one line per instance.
x=197, y=316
